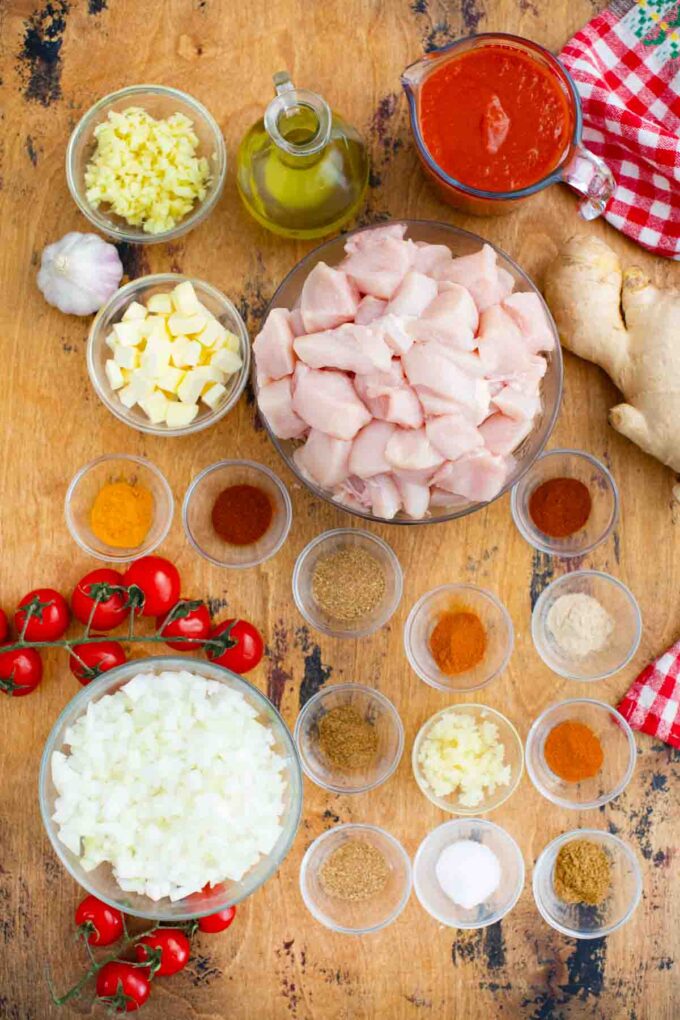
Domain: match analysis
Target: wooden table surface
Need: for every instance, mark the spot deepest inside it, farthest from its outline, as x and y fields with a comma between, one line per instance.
x=276, y=962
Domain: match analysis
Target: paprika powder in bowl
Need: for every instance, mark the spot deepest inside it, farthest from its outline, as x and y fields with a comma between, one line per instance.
x=237, y=513
x=458, y=637
x=580, y=753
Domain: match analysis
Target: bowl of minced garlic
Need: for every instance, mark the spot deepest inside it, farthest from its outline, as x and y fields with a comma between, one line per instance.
x=119, y=507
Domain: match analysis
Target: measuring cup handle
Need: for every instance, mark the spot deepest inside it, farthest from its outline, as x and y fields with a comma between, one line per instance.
x=591, y=177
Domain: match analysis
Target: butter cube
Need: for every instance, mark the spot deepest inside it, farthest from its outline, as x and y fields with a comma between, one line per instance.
x=211, y=332
x=134, y=311
x=126, y=357
x=227, y=361
x=189, y=390
x=232, y=342
x=212, y=374
x=158, y=329
x=182, y=325
x=129, y=333
x=160, y=304
x=128, y=395
x=170, y=379
x=141, y=385
x=184, y=352
x=214, y=395
x=155, y=359
x=155, y=407
x=111, y=341
x=185, y=300
x=178, y=414
x=114, y=374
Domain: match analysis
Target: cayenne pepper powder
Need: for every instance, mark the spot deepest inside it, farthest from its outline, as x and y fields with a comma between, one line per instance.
x=573, y=752
x=242, y=514
x=458, y=641
x=560, y=506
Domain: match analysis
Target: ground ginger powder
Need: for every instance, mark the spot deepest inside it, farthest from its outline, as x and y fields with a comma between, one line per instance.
x=346, y=739
x=583, y=872
x=122, y=514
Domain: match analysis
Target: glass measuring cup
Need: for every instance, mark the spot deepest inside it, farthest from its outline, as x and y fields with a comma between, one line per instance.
x=579, y=168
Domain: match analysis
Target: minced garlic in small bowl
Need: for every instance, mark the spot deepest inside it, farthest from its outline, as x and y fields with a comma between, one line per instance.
x=167, y=142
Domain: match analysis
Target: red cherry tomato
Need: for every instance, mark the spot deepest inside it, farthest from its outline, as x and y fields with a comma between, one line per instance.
x=47, y=614
x=111, y=609
x=190, y=620
x=159, y=584
x=100, y=923
x=214, y=923
x=123, y=986
x=20, y=671
x=93, y=660
x=174, y=948
x=4, y=626
x=241, y=645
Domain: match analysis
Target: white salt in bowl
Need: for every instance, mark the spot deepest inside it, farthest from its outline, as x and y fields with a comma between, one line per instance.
x=430, y=893
x=622, y=643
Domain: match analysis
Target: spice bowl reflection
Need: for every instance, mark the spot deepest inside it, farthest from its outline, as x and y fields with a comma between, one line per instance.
x=350, y=738
x=612, y=735
x=580, y=920
x=453, y=598
x=364, y=911
x=200, y=499
x=604, y=502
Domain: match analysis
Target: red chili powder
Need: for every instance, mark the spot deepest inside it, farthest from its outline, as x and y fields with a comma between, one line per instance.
x=242, y=514
x=560, y=506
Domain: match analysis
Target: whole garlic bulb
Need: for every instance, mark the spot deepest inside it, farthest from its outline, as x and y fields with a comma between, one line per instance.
x=79, y=273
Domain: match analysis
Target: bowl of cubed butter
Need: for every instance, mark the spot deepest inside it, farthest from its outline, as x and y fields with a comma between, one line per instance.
x=168, y=355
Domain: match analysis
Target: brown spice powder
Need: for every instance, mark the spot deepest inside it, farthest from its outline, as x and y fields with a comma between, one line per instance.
x=347, y=739
x=348, y=584
x=356, y=871
x=583, y=872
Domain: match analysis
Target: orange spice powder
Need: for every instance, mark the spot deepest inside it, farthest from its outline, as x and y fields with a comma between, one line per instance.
x=458, y=641
x=573, y=752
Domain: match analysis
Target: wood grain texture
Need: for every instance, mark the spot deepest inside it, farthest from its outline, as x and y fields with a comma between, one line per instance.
x=276, y=963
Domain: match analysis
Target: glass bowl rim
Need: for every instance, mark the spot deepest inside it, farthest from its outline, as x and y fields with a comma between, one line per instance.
x=440, y=802
x=115, y=407
x=392, y=558
x=322, y=918
x=258, y=469
x=154, y=663
x=197, y=214
x=532, y=539
x=455, y=586
x=391, y=711
x=609, y=578
x=531, y=742
x=541, y=864
x=484, y=823
x=112, y=556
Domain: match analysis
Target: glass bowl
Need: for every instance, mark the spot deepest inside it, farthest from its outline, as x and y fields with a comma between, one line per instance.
x=423, y=618
x=331, y=542
x=86, y=484
x=618, y=746
x=100, y=882
x=159, y=101
x=200, y=498
x=461, y=242
x=430, y=893
x=141, y=290
x=348, y=916
x=377, y=710
x=616, y=599
x=514, y=757
x=578, y=920
x=603, y=492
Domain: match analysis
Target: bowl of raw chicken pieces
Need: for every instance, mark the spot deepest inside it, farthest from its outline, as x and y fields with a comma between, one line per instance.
x=409, y=372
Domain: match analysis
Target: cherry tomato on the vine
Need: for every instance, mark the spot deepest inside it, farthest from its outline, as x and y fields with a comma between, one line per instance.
x=123, y=986
x=4, y=626
x=241, y=645
x=112, y=608
x=89, y=661
x=20, y=671
x=100, y=923
x=174, y=948
x=47, y=614
x=191, y=619
x=214, y=923
x=159, y=584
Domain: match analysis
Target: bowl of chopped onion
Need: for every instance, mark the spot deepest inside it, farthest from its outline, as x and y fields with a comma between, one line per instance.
x=170, y=788
x=146, y=164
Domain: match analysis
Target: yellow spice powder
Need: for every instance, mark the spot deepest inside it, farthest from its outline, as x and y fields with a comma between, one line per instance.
x=121, y=514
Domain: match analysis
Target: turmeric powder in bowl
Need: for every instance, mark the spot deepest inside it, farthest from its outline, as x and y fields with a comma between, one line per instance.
x=122, y=514
x=458, y=641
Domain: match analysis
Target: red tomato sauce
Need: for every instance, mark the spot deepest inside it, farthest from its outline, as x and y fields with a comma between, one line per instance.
x=495, y=119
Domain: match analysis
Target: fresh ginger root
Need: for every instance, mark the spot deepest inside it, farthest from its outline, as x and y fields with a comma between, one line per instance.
x=631, y=329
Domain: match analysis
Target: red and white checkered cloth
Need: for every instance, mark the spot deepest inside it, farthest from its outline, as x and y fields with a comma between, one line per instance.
x=652, y=704
x=626, y=65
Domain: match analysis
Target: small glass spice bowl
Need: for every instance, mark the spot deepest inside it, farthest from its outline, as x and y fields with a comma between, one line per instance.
x=622, y=643
x=618, y=748
x=463, y=597
x=83, y=490
x=199, y=501
x=430, y=893
x=603, y=493
x=377, y=710
x=580, y=920
x=356, y=917
x=514, y=757
x=332, y=542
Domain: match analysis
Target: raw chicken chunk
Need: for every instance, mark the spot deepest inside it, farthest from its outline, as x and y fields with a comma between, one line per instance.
x=428, y=365
x=389, y=398
x=328, y=299
x=502, y=435
x=327, y=401
x=415, y=496
x=479, y=475
x=369, y=309
x=393, y=330
x=501, y=347
x=413, y=295
x=367, y=238
x=324, y=459
x=411, y=450
x=529, y=316
x=276, y=404
x=515, y=402
x=353, y=493
x=451, y=318
x=452, y=435
x=296, y=324
x=273, y=346
x=367, y=456
x=431, y=259
x=384, y=496
x=480, y=274
x=379, y=268
x=352, y=348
